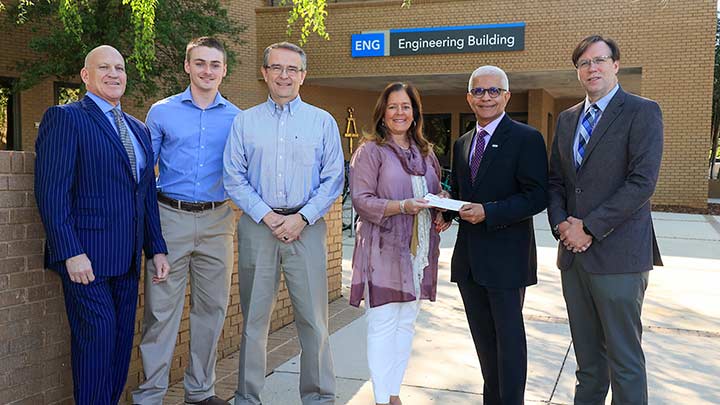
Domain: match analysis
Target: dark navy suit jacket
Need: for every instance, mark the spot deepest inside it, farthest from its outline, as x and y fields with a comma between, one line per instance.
x=511, y=184
x=88, y=199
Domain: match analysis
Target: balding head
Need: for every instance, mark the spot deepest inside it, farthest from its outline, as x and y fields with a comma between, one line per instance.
x=104, y=73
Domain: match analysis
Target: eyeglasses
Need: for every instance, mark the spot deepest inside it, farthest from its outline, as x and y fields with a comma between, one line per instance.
x=277, y=70
x=584, y=64
x=478, y=92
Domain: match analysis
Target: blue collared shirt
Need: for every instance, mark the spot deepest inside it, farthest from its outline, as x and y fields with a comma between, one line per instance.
x=284, y=157
x=188, y=142
x=602, y=105
x=106, y=108
x=490, y=129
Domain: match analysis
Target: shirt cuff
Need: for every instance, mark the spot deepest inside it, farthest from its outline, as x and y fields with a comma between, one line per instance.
x=258, y=212
x=310, y=213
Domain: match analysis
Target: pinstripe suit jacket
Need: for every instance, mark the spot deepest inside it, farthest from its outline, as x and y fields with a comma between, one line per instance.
x=88, y=200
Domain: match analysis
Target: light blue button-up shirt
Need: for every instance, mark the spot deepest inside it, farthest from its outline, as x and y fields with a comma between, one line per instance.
x=602, y=105
x=188, y=142
x=284, y=157
x=106, y=108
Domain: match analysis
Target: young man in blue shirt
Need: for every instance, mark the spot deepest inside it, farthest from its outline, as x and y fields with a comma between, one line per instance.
x=189, y=131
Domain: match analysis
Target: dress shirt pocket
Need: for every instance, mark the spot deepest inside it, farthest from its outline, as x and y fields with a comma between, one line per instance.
x=305, y=154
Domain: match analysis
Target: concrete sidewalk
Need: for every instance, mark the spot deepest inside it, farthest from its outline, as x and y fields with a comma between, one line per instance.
x=681, y=340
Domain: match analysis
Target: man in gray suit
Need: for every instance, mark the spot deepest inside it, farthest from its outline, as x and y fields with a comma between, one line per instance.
x=603, y=169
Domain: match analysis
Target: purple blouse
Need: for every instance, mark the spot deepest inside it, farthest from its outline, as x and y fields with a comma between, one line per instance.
x=381, y=259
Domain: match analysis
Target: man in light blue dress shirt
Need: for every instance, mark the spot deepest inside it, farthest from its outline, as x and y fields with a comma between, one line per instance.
x=189, y=131
x=284, y=168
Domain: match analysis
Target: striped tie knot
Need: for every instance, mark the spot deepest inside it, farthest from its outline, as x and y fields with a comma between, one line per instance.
x=586, y=127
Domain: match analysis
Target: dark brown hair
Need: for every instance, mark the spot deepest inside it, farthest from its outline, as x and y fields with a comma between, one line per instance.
x=208, y=42
x=415, y=132
x=585, y=43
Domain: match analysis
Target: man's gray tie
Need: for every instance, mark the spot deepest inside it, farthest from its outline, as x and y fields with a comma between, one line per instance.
x=586, y=127
x=125, y=139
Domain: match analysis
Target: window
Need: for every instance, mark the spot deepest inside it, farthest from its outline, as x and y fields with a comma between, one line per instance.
x=519, y=116
x=9, y=116
x=437, y=131
x=467, y=122
x=66, y=93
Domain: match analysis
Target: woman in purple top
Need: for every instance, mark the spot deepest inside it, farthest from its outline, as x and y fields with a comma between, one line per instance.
x=395, y=261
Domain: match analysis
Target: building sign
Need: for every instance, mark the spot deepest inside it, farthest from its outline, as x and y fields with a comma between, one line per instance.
x=439, y=40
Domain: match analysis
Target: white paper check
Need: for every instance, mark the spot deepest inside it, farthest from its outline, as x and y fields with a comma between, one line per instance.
x=445, y=203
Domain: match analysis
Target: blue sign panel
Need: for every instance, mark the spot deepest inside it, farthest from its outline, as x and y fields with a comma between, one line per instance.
x=365, y=45
x=440, y=40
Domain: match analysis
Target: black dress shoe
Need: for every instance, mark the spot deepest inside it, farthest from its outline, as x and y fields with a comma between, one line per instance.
x=213, y=400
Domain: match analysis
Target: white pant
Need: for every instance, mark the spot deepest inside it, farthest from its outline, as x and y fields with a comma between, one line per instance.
x=390, y=331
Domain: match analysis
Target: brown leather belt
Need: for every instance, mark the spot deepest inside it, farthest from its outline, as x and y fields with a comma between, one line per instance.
x=287, y=211
x=189, y=206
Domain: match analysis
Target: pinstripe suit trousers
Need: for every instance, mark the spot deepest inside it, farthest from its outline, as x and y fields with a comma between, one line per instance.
x=103, y=315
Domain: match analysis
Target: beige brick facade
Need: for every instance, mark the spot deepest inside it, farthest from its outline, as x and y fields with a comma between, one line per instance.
x=671, y=42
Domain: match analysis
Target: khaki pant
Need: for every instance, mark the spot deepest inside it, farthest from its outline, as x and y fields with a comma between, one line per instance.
x=200, y=245
x=261, y=258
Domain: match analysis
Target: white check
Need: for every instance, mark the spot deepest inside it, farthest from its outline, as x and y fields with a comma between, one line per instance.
x=445, y=203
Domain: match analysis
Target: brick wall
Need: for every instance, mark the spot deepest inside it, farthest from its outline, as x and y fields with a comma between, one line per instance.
x=34, y=337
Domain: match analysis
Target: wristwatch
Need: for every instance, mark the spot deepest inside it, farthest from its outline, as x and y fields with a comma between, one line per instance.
x=556, y=231
x=303, y=218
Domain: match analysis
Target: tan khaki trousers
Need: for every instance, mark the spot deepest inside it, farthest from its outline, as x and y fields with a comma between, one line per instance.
x=200, y=246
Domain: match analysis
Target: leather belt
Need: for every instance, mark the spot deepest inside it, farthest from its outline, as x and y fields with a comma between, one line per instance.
x=287, y=211
x=189, y=206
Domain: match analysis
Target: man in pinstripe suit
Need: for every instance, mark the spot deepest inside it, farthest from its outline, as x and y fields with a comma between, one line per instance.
x=95, y=189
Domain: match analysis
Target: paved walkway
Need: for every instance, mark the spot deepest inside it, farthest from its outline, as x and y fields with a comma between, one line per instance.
x=681, y=317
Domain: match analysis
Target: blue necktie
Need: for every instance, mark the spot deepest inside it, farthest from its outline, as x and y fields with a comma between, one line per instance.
x=586, y=128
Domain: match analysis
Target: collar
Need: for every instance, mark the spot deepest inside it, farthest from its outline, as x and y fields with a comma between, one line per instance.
x=219, y=99
x=491, y=127
x=604, y=100
x=291, y=106
x=102, y=103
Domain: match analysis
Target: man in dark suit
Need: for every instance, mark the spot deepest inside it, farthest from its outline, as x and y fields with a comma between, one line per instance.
x=500, y=167
x=95, y=189
x=603, y=169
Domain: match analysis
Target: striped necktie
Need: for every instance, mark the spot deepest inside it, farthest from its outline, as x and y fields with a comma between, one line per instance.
x=125, y=139
x=478, y=154
x=586, y=128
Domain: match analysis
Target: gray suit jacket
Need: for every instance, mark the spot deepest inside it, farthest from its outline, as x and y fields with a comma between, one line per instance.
x=611, y=190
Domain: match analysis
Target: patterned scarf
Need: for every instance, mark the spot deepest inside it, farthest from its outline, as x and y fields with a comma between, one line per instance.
x=411, y=159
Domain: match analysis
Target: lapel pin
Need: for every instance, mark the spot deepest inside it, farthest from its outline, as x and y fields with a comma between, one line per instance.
x=494, y=145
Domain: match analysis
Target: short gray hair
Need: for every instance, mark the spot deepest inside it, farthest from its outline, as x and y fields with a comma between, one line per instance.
x=489, y=70
x=288, y=46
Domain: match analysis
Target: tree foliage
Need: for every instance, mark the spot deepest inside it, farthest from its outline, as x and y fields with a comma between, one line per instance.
x=154, y=45
x=311, y=14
